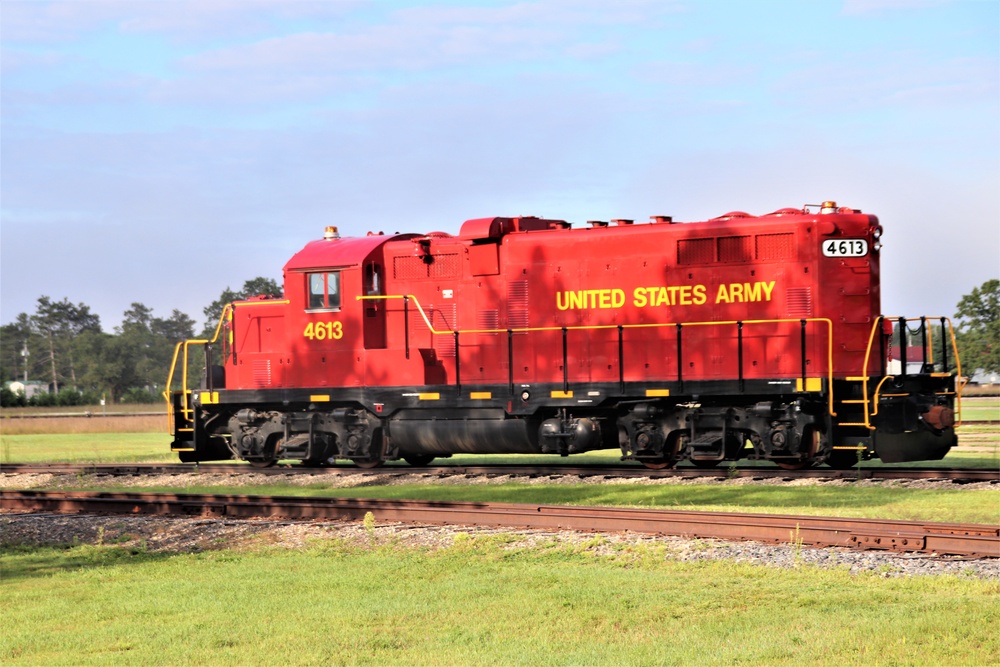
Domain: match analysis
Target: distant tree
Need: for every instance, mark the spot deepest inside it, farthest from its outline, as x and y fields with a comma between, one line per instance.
x=138, y=344
x=58, y=322
x=979, y=328
x=16, y=338
x=173, y=329
x=111, y=369
x=254, y=287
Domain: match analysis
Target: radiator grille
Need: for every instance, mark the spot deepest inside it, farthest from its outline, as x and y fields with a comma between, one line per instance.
x=445, y=266
x=776, y=246
x=415, y=268
x=735, y=249
x=696, y=251
x=408, y=268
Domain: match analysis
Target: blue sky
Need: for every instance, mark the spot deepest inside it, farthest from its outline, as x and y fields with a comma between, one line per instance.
x=160, y=151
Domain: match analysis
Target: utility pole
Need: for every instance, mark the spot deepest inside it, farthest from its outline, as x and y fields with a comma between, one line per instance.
x=24, y=354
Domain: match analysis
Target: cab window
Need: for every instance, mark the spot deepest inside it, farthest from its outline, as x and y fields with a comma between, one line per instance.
x=324, y=290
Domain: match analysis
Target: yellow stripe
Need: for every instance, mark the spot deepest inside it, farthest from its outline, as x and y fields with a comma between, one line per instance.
x=209, y=397
x=433, y=396
x=852, y=447
x=320, y=398
x=562, y=394
x=481, y=394
x=657, y=392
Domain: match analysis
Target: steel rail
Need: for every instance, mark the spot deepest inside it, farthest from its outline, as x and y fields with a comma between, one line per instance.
x=624, y=471
x=971, y=540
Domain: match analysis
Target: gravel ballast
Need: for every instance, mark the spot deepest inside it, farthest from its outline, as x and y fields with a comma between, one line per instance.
x=186, y=535
x=182, y=535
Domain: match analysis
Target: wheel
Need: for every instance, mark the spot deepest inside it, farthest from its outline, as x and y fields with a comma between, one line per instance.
x=669, y=459
x=658, y=464
x=263, y=464
x=812, y=436
x=419, y=459
x=368, y=463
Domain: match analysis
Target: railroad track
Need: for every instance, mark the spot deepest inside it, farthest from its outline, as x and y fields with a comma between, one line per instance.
x=623, y=471
x=953, y=539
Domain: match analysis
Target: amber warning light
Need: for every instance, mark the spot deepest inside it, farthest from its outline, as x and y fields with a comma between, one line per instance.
x=331, y=233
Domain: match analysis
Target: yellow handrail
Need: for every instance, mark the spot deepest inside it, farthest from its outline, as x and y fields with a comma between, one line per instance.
x=183, y=345
x=227, y=315
x=866, y=377
x=595, y=327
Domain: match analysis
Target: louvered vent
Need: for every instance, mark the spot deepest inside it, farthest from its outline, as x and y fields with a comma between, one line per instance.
x=443, y=319
x=735, y=249
x=517, y=304
x=262, y=372
x=696, y=251
x=488, y=319
x=800, y=302
x=776, y=246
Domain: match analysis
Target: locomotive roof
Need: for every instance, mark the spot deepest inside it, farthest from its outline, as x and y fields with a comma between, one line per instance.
x=338, y=252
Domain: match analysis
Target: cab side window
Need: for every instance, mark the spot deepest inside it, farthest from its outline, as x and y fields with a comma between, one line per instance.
x=324, y=290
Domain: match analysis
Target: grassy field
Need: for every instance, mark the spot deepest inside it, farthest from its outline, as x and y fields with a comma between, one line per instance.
x=981, y=408
x=477, y=602
x=483, y=601
x=86, y=448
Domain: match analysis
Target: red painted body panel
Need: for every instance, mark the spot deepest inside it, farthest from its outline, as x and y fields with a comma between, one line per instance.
x=493, y=277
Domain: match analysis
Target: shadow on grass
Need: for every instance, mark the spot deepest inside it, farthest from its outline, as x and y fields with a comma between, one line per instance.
x=22, y=561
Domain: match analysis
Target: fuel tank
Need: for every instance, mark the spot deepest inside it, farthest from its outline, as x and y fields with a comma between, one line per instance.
x=479, y=432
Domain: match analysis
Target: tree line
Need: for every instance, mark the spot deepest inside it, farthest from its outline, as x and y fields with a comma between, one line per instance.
x=63, y=346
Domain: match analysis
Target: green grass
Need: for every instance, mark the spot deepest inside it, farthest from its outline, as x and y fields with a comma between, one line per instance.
x=477, y=602
x=882, y=502
x=86, y=448
x=975, y=411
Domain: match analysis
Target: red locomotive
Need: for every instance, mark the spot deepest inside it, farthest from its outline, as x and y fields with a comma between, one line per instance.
x=743, y=336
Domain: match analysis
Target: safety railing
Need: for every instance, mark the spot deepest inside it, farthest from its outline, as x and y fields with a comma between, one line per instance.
x=679, y=327
x=181, y=352
x=870, y=401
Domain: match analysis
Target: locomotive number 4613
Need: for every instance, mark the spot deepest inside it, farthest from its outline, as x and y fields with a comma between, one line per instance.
x=324, y=331
x=845, y=248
